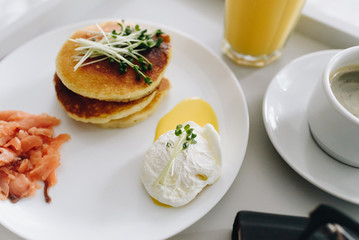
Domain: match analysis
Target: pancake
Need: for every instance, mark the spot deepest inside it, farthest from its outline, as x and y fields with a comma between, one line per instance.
x=95, y=111
x=144, y=113
x=103, y=80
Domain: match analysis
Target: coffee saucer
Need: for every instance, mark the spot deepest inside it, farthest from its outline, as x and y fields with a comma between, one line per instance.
x=286, y=121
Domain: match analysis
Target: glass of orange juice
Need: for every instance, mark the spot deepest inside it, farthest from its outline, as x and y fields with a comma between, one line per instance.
x=256, y=30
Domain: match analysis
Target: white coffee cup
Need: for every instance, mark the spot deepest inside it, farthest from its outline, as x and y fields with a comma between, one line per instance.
x=333, y=127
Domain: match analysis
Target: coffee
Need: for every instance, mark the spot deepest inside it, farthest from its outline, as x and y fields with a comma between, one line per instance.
x=345, y=87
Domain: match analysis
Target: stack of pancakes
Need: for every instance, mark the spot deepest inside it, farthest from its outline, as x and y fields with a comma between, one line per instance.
x=98, y=93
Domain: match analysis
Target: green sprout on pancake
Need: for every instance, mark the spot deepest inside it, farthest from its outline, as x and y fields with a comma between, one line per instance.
x=124, y=47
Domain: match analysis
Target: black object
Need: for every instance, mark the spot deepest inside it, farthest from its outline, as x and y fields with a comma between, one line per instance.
x=324, y=223
x=329, y=223
x=250, y=225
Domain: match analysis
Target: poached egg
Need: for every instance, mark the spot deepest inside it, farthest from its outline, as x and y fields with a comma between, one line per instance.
x=173, y=174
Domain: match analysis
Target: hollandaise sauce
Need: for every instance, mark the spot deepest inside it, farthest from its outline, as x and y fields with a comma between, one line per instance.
x=191, y=109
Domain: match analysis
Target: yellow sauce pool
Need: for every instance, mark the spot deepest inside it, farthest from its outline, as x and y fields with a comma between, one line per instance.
x=191, y=109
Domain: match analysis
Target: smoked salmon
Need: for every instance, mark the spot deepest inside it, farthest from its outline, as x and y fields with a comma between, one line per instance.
x=29, y=153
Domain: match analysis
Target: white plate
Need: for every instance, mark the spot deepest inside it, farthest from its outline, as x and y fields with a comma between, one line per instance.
x=99, y=194
x=285, y=119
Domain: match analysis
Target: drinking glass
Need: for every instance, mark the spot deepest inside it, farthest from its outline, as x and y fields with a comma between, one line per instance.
x=256, y=31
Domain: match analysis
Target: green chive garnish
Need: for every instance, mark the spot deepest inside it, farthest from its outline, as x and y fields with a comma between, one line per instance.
x=123, y=46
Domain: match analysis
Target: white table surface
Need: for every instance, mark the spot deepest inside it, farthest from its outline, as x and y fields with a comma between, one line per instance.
x=265, y=182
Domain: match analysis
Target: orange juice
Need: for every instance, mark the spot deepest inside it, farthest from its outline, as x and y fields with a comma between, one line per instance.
x=260, y=27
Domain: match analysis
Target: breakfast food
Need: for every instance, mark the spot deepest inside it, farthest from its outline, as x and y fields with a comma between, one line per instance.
x=28, y=153
x=93, y=110
x=191, y=109
x=144, y=113
x=192, y=166
x=181, y=162
x=110, y=71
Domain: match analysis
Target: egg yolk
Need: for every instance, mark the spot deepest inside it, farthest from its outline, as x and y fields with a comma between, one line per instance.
x=191, y=109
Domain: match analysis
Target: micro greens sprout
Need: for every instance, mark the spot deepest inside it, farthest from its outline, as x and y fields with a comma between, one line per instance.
x=183, y=143
x=122, y=47
x=190, y=136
